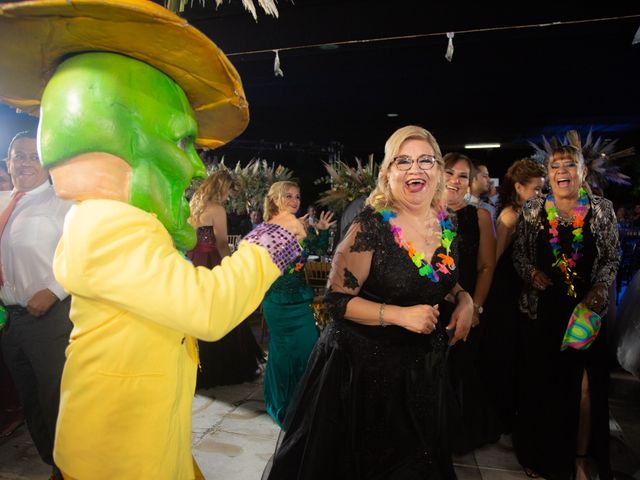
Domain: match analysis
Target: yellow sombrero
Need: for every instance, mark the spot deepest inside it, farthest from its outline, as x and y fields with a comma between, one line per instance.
x=36, y=35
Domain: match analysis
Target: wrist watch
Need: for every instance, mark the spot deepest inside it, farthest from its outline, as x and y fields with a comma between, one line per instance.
x=478, y=308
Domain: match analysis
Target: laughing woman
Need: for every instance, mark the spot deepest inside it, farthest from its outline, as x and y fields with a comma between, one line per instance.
x=371, y=405
x=566, y=252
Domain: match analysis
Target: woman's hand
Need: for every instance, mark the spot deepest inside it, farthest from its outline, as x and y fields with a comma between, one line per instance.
x=540, y=280
x=419, y=318
x=290, y=222
x=596, y=297
x=324, y=221
x=461, y=318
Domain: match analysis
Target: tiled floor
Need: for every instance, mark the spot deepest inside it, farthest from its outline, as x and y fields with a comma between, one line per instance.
x=233, y=438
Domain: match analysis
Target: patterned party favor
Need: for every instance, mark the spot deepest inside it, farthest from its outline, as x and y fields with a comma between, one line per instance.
x=582, y=329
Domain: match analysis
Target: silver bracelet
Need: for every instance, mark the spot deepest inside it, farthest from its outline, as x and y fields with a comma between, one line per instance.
x=381, y=315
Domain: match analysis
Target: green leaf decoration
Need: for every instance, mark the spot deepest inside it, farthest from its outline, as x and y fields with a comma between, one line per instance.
x=347, y=183
x=252, y=183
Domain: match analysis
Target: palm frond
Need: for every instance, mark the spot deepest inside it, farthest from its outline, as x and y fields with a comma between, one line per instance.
x=269, y=6
x=251, y=183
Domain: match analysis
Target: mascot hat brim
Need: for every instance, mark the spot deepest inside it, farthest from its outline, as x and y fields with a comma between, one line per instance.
x=36, y=35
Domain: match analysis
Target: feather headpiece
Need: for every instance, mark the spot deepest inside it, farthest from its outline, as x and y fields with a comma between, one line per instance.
x=598, y=154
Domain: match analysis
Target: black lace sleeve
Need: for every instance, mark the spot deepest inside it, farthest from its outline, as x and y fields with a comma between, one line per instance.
x=351, y=264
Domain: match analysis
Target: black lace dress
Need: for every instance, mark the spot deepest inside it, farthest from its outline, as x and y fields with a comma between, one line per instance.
x=370, y=405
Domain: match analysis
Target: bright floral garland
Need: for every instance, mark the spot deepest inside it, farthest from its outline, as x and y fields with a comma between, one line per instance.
x=425, y=269
x=563, y=262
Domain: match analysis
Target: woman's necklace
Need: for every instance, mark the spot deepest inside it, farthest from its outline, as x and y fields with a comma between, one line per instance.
x=445, y=266
x=562, y=261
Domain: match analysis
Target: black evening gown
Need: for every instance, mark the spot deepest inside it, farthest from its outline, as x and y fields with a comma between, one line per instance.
x=500, y=333
x=550, y=381
x=236, y=357
x=370, y=405
x=472, y=420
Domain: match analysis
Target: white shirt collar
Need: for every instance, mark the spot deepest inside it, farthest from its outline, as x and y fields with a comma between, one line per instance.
x=34, y=191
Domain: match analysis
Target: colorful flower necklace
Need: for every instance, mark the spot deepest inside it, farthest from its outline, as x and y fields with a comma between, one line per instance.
x=445, y=266
x=564, y=263
x=298, y=263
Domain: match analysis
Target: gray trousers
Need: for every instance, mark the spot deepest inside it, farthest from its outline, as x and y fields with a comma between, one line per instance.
x=33, y=349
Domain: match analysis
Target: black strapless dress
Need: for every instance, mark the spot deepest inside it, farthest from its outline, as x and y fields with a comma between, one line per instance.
x=236, y=357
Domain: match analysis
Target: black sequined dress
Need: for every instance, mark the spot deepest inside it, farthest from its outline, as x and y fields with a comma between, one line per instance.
x=370, y=405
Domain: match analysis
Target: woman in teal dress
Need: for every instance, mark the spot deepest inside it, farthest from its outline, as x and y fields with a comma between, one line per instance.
x=287, y=306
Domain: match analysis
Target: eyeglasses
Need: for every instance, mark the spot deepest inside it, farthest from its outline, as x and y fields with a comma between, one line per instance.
x=425, y=162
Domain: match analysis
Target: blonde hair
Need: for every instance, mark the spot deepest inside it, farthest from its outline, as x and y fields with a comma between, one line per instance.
x=274, y=197
x=213, y=190
x=381, y=196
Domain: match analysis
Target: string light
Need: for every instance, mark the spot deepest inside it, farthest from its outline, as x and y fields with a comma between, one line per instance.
x=433, y=34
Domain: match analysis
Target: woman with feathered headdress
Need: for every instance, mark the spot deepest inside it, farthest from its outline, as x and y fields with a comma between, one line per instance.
x=566, y=252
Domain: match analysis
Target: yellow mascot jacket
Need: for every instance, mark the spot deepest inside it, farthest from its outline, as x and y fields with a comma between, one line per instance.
x=129, y=377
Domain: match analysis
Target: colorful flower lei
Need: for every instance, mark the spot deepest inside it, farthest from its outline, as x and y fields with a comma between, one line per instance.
x=564, y=263
x=298, y=263
x=446, y=264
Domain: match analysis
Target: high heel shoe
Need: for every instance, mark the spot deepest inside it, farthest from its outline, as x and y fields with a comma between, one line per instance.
x=531, y=473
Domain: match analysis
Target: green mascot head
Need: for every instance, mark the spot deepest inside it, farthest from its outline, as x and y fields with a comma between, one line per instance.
x=111, y=103
x=129, y=88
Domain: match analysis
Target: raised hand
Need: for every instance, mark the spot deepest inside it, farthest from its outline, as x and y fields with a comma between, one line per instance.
x=325, y=221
